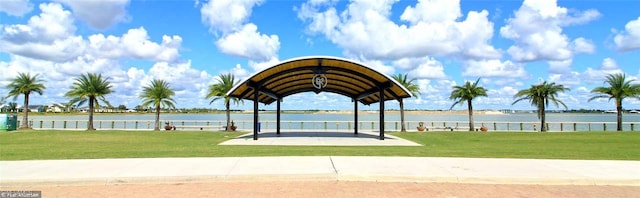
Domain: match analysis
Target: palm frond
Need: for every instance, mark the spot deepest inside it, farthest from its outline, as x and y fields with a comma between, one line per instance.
x=467, y=92
x=409, y=84
x=89, y=86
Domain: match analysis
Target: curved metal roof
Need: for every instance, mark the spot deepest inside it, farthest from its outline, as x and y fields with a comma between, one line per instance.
x=345, y=77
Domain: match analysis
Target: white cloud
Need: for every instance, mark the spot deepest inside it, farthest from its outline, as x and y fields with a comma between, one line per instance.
x=365, y=29
x=48, y=45
x=422, y=68
x=51, y=36
x=239, y=73
x=630, y=38
x=99, y=14
x=238, y=38
x=48, y=36
x=493, y=68
x=135, y=44
x=435, y=95
x=503, y=82
x=53, y=23
x=432, y=11
x=536, y=29
x=377, y=65
x=608, y=66
x=185, y=79
x=262, y=65
x=16, y=7
x=249, y=43
x=582, y=45
x=227, y=16
x=559, y=67
x=571, y=78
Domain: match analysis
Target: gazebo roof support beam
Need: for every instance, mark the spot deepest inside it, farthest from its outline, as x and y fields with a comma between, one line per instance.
x=263, y=90
x=374, y=90
x=269, y=93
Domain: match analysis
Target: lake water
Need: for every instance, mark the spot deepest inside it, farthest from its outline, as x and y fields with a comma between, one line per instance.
x=367, y=121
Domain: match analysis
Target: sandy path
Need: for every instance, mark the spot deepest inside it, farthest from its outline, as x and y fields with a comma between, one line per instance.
x=332, y=189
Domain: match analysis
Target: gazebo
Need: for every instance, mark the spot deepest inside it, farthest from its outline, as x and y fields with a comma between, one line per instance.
x=319, y=74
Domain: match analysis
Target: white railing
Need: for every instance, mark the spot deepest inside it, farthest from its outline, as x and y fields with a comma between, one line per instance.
x=247, y=125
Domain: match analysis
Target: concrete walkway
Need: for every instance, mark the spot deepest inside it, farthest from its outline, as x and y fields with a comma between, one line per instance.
x=319, y=138
x=319, y=168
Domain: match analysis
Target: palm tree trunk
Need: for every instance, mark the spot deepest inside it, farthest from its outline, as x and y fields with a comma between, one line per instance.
x=228, y=126
x=91, y=109
x=543, y=127
x=157, y=126
x=25, y=111
x=619, y=117
x=402, y=126
x=470, y=107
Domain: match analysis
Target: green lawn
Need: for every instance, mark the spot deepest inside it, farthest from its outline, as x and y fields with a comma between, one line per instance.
x=136, y=144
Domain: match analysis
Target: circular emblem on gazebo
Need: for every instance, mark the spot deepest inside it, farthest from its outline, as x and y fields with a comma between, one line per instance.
x=319, y=81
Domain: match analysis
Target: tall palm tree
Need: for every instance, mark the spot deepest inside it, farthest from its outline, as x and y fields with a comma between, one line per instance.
x=411, y=87
x=158, y=93
x=219, y=91
x=24, y=84
x=539, y=96
x=90, y=88
x=619, y=88
x=466, y=93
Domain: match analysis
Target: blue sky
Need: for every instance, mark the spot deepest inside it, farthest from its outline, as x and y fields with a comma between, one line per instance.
x=510, y=45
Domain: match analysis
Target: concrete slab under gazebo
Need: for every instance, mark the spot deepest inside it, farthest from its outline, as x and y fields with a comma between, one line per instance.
x=319, y=74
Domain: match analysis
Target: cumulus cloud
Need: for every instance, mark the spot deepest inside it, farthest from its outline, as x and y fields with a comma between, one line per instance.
x=536, y=28
x=435, y=95
x=262, y=65
x=228, y=20
x=135, y=44
x=365, y=29
x=377, y=65
x=99, y=14
x=493, y=68
x=249, y=43
x=582, y=45
x=422, y=68
x=571, y=78
x=48, y=36
x=227, y=15
x=51, y=36
x=47, y=44
x=608, y=66
x=239, y=72
x=16, y=7
x=630, y=38
x=186, y=79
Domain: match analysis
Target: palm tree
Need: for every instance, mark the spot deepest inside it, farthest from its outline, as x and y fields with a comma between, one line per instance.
x=411, y=87
x=89, y=88
x=539, y=96
x=219, y=91
x=13, y=107
x=157, y=94
x=467, y=93
x=619, y=89
x=24, y=84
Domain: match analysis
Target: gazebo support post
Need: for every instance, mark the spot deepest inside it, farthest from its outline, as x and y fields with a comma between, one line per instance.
x=278, y=117
x=255, y=113
x=355, y=117
x=381, y=114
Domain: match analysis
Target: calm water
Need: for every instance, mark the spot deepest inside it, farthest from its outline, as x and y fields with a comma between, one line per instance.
x=343, y=121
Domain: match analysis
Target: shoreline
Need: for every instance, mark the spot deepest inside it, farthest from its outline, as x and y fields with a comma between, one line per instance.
x=311, y=112
x=320, y=112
